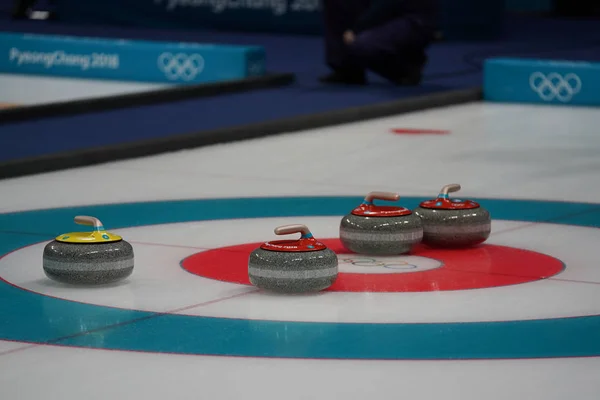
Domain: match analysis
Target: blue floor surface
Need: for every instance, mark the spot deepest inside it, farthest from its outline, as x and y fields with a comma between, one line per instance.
x=453, y=65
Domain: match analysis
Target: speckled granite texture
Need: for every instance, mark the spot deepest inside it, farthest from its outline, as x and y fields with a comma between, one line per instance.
x=380, y=235
x=455, y=228
x=90, y=264
x=293, y=272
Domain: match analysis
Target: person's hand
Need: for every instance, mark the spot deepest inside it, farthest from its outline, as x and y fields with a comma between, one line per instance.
x=348, y=37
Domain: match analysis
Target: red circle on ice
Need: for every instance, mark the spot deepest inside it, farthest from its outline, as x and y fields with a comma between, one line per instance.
x=485, y=266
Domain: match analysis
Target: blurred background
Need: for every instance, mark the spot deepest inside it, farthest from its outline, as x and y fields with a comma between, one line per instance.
x=279, y=42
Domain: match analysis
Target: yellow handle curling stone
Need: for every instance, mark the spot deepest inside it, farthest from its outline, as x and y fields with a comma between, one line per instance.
x=95, y=257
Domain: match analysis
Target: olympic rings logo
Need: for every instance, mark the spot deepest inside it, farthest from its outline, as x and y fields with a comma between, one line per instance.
x=371, y=262
x=181, y=66
x=555, y=86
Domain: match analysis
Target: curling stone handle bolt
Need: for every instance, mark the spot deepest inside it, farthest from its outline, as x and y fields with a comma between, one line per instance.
x=89, y=221
x=289, y=229
x=381, y=196
x=453, y=187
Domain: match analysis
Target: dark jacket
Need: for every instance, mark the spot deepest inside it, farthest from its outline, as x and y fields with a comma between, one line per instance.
x=423, y=12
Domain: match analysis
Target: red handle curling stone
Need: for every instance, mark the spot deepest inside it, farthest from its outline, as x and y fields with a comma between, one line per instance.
x=444, y=202
x=293, y=266
x=369, y=209
x=453, y=222
x=380, y=230
x=306, y=242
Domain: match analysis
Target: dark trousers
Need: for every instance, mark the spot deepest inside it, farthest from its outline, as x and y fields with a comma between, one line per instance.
x=20, y=7
x=392, y=50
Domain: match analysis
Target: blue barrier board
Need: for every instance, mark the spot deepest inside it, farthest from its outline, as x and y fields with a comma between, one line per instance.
x=128, y=60
x=541, y=81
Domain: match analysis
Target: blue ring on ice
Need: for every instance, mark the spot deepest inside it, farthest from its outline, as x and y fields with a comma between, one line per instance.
x=37, y=318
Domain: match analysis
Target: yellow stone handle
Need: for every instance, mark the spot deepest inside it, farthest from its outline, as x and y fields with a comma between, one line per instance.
x=89, y=221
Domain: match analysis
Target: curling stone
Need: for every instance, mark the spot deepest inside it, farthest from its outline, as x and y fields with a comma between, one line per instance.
x=453, y=222
x=88, y=258
x=293, y=266
x=380, y=230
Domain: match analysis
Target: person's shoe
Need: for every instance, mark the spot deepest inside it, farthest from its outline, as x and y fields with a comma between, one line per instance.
x=20, y=14
x=20, y=10
x=411, y=79
x=338, y=78
x=412, y=76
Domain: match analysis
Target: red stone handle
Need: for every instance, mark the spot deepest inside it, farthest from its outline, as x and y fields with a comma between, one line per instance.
x=381, y=196
x=451, y=188
x=289, y=229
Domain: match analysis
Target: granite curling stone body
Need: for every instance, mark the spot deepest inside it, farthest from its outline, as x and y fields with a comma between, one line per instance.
x=453, y=222
x=380, y=230
x=293, y=266
x=88, y=258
